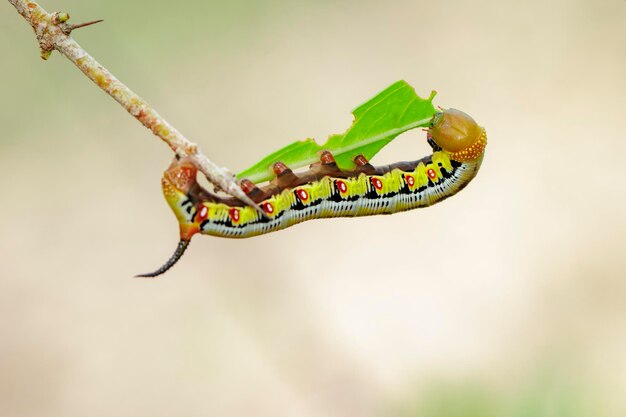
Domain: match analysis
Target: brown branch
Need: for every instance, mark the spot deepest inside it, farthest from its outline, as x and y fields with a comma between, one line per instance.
x=53, y=32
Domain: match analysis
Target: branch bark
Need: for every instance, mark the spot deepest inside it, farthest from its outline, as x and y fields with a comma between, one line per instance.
x=53, y=33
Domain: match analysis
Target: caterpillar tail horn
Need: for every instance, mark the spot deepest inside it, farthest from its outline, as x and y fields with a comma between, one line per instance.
x=180, y=250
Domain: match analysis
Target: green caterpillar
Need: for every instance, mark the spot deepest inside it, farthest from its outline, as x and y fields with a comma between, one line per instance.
x=324, y=190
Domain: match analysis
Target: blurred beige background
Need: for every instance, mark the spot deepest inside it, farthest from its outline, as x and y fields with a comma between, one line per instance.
x=506, y=300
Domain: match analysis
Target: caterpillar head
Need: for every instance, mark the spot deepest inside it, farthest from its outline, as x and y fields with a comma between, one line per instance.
x=458, y=134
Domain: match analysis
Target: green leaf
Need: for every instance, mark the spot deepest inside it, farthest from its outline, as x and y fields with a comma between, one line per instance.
x=376, y=123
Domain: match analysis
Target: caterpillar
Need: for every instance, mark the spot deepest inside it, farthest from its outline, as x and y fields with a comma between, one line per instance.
x=458, y=144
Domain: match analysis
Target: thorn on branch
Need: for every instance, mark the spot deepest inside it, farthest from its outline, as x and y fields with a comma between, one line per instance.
x=51, y=24
x=67, y=29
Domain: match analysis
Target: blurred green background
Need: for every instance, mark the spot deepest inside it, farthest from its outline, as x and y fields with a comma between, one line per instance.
x=506, y=300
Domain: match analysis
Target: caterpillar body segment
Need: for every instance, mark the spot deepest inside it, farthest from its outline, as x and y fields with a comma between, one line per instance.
x=326, y=191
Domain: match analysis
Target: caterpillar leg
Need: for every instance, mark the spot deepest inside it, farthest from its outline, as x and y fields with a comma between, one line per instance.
x=363, y=165
x=180, y=250
x=432, y=143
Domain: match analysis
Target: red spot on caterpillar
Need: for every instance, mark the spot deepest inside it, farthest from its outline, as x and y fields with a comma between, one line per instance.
x=302, y=194
x=203, y=213
x=234, y=214
x=377, y=183
x=431, y=174
x=268, y=208
x=341, y=186
x=410, y=180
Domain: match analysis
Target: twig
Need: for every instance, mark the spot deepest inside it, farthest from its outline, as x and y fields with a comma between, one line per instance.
x=52, y=31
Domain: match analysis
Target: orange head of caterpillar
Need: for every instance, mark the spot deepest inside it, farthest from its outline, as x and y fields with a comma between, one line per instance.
x=458, y=134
